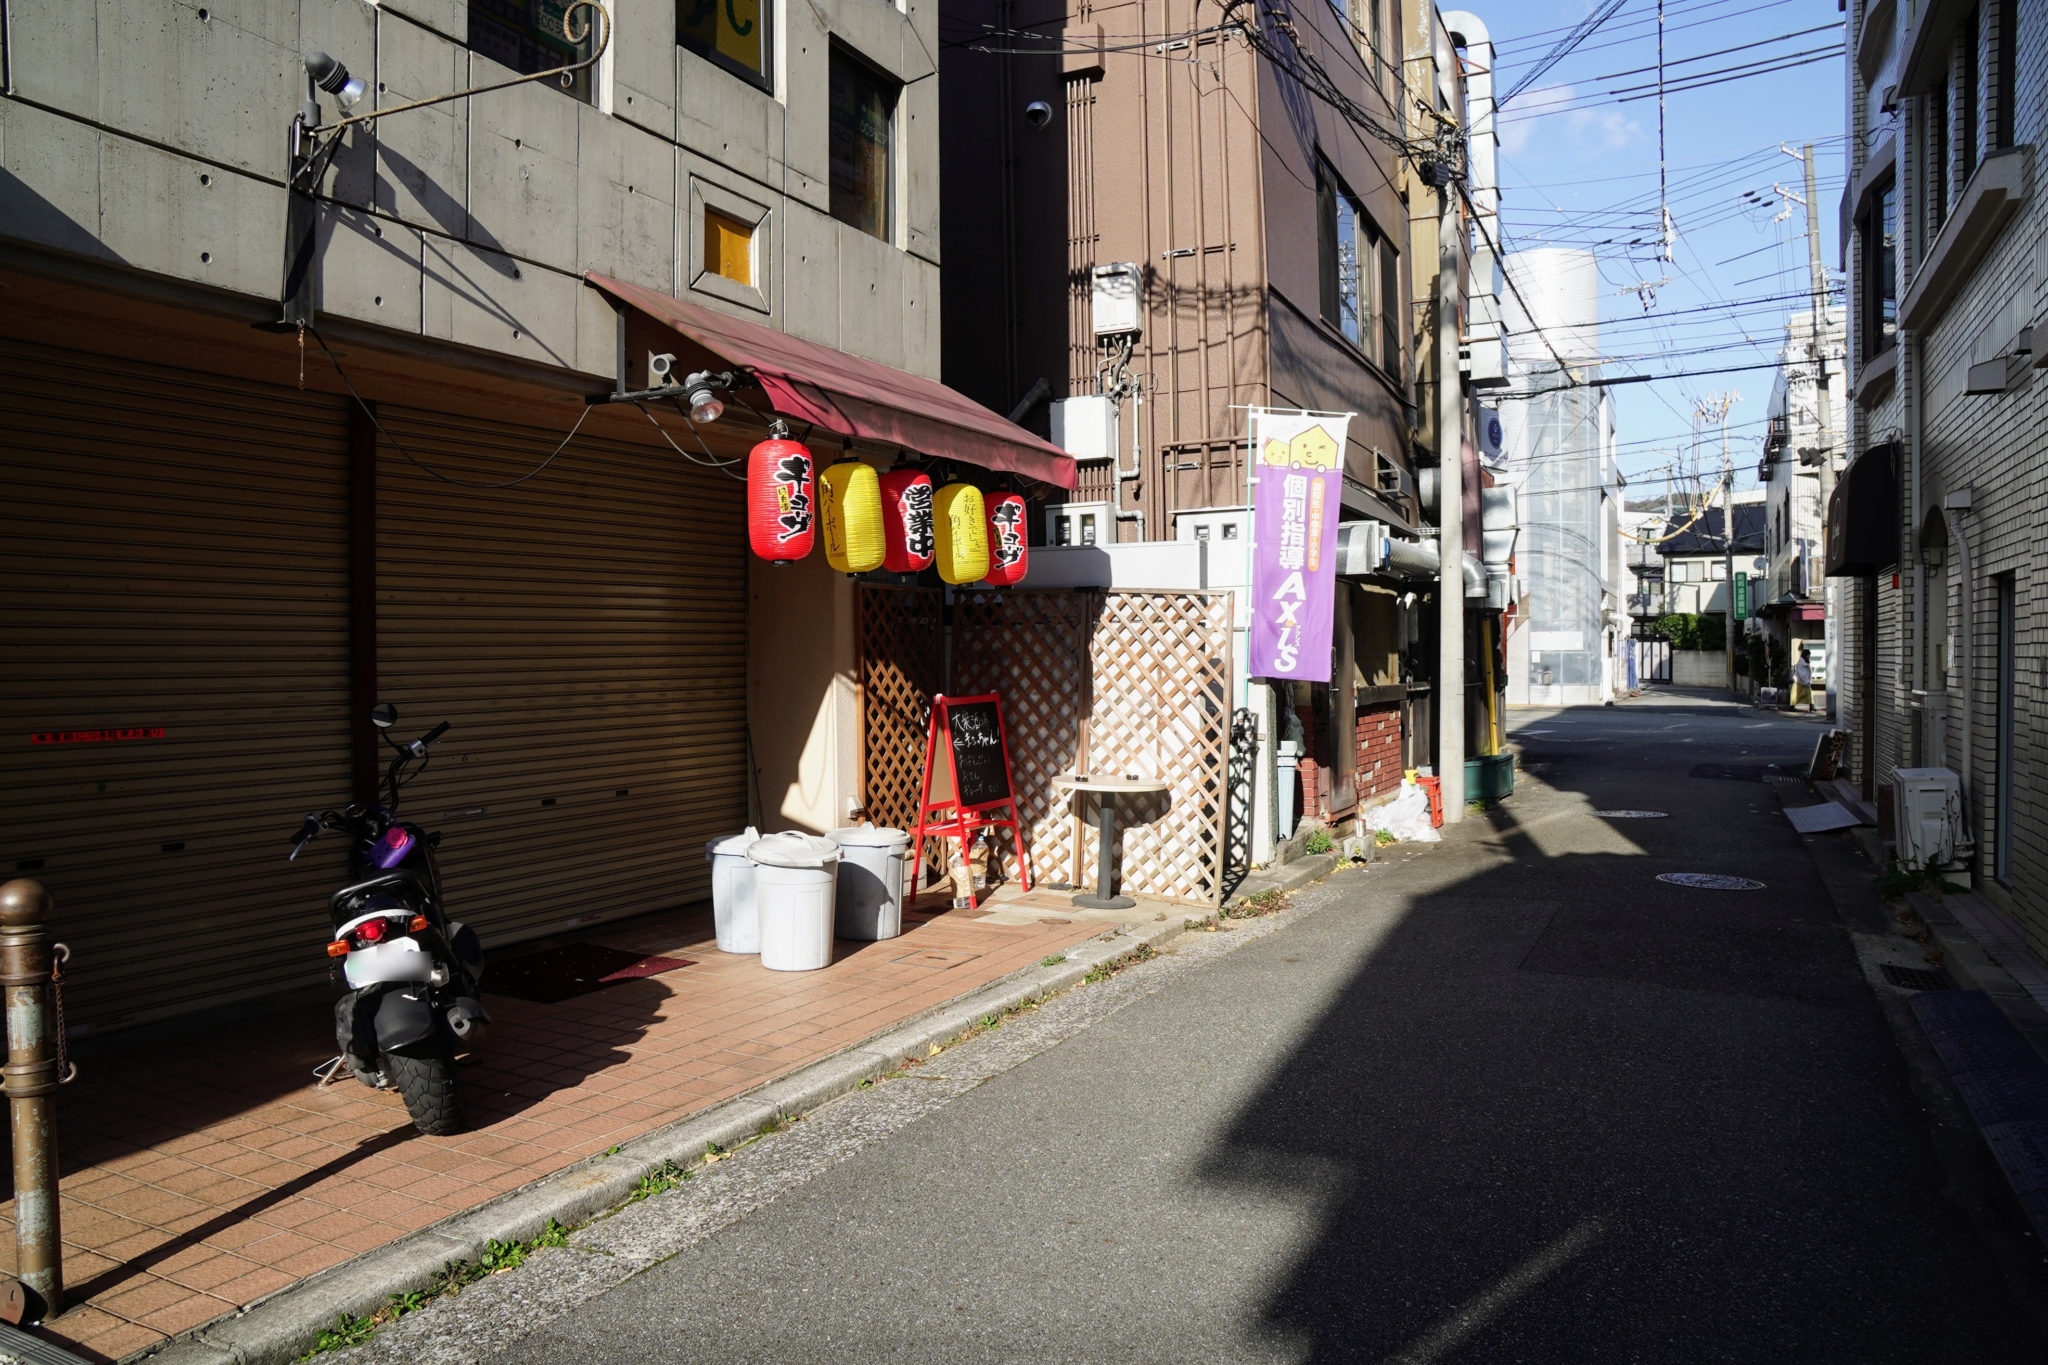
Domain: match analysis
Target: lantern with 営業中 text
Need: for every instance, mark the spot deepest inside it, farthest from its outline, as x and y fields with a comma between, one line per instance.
x=907, y=541
x=853, y=517
x=1007, y=543
x=960, y=526
x=782, y=500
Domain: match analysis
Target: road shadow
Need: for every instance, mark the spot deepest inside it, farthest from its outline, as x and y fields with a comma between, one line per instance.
x=1562, y=1112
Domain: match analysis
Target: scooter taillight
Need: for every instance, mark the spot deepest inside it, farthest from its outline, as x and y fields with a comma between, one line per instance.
x=373, y=930
x=392, y=847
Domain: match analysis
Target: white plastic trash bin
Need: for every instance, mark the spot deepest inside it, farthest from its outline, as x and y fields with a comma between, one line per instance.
x=732, y=892
x=870, y=892
x=794, y=879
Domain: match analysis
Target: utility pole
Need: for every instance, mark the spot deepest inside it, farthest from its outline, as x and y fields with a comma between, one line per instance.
x=1450, y=519
x=1823, y=409
x=1715, y=408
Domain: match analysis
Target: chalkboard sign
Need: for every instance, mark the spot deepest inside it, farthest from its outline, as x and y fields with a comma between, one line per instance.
x=981, y=767
x=967, y=736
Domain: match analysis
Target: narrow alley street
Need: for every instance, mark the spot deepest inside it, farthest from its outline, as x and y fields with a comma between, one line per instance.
x=1507, y=1098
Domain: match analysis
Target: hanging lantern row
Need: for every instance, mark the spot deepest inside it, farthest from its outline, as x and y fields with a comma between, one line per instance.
x=895, y=521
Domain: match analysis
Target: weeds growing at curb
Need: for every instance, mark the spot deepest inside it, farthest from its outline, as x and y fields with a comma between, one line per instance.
x=1257, y=905
x=660, y=1180
x=1055, y=960
x=454, y=1276
x=1103, y=971
x=1318, y=841
x=1897, y=880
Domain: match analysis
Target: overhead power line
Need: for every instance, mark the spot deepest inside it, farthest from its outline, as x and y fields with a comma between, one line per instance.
x=1579, y=33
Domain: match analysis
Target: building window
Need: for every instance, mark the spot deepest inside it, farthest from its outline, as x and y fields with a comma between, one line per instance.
x=1967, y=115
x=1878, y=309
x=728, y=247
x=2003, y=116
x=529, y=36
x=1938, y=134
x=1360, y=273
x=731, y=33
x=1379, y=45
x=863, y=137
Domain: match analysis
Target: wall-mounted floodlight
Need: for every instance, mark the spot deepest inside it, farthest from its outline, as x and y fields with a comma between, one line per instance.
x=700, y=390
x=330, y=75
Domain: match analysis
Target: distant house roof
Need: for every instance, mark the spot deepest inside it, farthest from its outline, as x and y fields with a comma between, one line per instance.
x=1704, y=537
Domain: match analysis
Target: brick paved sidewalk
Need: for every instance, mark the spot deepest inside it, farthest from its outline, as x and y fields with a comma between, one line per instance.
x=200, y=1174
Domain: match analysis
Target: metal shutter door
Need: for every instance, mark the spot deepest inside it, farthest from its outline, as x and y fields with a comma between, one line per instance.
x=585, y=632
x=172, y=553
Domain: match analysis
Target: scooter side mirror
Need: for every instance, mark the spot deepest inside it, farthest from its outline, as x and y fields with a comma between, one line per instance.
x=383, y=715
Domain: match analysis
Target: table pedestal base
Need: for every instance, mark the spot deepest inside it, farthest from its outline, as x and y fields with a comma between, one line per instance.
x=1101, y=902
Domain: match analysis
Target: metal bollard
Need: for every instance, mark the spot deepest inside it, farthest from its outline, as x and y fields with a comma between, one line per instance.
x=31, y=1084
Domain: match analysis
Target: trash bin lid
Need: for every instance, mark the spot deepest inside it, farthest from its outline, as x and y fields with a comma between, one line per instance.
x=791, y=849
x=868, y=836
x=734, y=844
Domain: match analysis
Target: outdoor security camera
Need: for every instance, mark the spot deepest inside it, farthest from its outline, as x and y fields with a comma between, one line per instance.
x=330, y=75
x=660, y=368
x=1038, y=113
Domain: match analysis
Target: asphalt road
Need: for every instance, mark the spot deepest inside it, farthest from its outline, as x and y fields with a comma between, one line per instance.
x=1510, y=1099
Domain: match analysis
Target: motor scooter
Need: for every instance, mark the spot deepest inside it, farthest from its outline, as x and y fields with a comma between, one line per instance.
x=412, y=973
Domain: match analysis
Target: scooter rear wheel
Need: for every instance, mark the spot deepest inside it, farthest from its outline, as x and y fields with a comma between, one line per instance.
x=425, y=1076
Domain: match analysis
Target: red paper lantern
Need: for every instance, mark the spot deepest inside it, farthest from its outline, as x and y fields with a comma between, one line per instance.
x=782, y=500
x=1008, y=545
x=908, y=540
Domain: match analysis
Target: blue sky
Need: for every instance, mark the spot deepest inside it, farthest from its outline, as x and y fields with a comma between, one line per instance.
x=1579, y=167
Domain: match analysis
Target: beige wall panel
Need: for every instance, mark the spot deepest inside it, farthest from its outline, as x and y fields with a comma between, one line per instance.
x=423, y=155
x=626, y=216
x=166, y=74
x=523, y=151
x=490, y=301
x=51, y=190
x=369, y=269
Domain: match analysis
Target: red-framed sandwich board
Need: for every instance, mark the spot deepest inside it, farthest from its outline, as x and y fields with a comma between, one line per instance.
x=969, y=733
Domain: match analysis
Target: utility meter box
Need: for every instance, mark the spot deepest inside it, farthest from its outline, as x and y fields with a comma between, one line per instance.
x=1085, y=427
x=1117, y=298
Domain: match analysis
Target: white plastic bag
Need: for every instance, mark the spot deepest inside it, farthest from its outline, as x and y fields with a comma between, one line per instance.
x=1406, y=817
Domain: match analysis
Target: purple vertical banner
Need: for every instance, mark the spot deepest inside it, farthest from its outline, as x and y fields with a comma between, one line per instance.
x=1298, y=459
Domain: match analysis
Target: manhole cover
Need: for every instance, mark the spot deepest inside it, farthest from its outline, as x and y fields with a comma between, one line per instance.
x=1631, y=814
x=1710, y=881
x=1914, y=978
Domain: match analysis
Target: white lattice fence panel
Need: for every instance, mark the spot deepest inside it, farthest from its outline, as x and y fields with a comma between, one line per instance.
x=1160, y=662
x=1032, y=648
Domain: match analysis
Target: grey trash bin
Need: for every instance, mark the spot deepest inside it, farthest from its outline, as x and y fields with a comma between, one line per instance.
x=733, y=912
x=872, y=866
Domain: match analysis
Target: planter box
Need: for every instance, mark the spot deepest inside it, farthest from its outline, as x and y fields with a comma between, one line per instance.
x=1489, y=778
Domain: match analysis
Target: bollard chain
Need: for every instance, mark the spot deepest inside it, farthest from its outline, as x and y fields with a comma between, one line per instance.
x=60, y=953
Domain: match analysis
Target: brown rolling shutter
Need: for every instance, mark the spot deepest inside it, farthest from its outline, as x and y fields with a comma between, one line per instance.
x=172, y=554
x=585, y=634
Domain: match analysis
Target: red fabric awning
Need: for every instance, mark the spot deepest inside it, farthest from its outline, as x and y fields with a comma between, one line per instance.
x=855, y=397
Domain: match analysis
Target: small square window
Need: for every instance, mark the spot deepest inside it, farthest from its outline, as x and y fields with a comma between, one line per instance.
x=1088, y=528
x=1230, y=530
x=728, y=247
x=1201, y=533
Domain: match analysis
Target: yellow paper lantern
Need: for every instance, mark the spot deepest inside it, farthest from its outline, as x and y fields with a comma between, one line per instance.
x=961, y=523
x=853, y=517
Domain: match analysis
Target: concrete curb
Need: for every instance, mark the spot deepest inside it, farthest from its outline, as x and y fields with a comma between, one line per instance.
x=1287, y=876
x=285, y=1325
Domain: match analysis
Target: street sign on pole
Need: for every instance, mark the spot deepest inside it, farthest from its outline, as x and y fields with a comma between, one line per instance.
x=1742, y=597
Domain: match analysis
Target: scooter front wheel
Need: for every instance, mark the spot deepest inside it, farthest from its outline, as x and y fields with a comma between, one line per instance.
x=425, y=1076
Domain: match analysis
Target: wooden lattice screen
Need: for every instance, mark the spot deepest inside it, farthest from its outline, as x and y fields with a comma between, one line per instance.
x=1149, y=671
x=902, y=641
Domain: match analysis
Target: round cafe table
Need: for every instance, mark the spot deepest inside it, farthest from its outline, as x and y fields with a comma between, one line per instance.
x=1107, y=789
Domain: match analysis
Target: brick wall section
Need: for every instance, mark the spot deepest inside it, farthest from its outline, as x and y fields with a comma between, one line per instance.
x=1379, y=751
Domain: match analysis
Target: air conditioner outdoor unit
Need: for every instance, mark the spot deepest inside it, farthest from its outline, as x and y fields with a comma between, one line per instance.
x=1927, y=806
